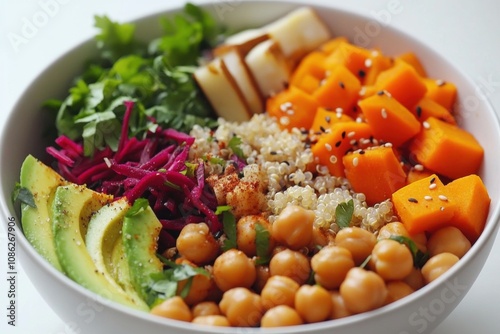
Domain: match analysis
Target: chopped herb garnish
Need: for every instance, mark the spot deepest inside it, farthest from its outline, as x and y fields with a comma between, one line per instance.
x=343, y=213
x=23, y=195
x=222, y=208
x=262, y=244
x=229, y=226
x=235, y=146
x=419, y=257
x=139, y=205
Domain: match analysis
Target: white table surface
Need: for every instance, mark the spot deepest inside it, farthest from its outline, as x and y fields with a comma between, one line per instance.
x=464, y=31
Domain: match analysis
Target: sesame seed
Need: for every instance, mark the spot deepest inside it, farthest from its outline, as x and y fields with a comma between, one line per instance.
x=361, y=73
x=322, y=128
x=328, y=119
x=353, y=142
x=328, y=147
x=361, y=152
x=383, y=112
x=351, y=134
x=412, y=200
x=341, y=84
x=388, y=145
x=368, y=62
x=418, y=167
x=343, y=134
x=365, y=141
x=337, y=144
x=432, y=186
x=419, y=111
x=433, y=180
x=333, y=159
x=440, y=82
x=362, y=91
x=359, y=120
x=355, y=161
x=428, y=198
x=426, y=125
x=375, y=53
x=339, y=115
x=285, y=106
x=284, y=120
x=441, y=208
x=380, y=92
x=387, y=93
x=290, y=112
x=273, y=152
x=339, y=110
x=443, y=198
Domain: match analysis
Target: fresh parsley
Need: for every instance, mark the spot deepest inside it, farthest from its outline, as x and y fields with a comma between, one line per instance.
x=262, y=244
x=229, y=226
x=23, y=195
x=156, y=76
x=235, y=145
x=343, y=213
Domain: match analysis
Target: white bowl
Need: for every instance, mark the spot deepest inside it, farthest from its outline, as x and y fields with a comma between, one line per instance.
x=86, y=312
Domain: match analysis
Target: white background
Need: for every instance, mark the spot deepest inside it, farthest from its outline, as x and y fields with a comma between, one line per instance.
x=464, y=31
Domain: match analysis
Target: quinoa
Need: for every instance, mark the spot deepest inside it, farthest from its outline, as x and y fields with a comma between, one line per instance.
x=283, y=158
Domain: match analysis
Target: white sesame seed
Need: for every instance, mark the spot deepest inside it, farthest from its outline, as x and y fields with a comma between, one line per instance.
x=333, y=159
x=351, y=134
x=362, y=91
x=284, y=120
x=338, y=115
x=388, y=94
x=418, y=167
x=339, y=110
x=440, y=82
x=359, y=120
x=375, y=53
x=365, y=141
x=428, y=198
x=352, y=142
x=441, y=208
x=388, y=145
x=383, y=112
x=328, y=147
x=368, y=62
x=443, y=198
x=432, y=186
x=355, y=161
x=426, y=125
x=285, y=106
x=290, y=112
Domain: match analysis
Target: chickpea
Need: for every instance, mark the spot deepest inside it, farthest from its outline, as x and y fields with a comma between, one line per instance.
x=263, y=275
x=292, y=264
x=242, y=307
x=438, y=265
x=197, y=244
x=279, y=290
x=363, y=290
x=448, y=239
x=321, y=238
x=212, y=320
x=173, y=308
x=338, y=306
x=358, y=241
x=391, y=260
x=281, y=315
x=245, y=233
x=330, y=266
x=415, y=279
x=199, y=289
x=234, y=269
x=313, y=303
x=205, y=308
x=294, y=227
x=397, y=290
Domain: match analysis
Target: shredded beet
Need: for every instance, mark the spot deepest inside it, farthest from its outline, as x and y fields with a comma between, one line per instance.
x=154, y=168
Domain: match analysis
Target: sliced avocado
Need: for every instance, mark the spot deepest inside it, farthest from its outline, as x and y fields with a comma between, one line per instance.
x=141, y=229
x=72, y=209
x=42, y=181
x=105, y=246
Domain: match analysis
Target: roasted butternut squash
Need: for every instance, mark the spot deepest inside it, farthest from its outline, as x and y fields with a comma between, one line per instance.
x=325, y=118
x=427, y=107
x=443, y=92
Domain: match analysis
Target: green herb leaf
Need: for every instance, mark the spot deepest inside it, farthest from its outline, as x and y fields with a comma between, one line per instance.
x=23, y=195
x=419, y=257
x=343, y=213
x=235, y=146
x=222, y=208
x=262, y=244
x=139, y=205
x=229, y=226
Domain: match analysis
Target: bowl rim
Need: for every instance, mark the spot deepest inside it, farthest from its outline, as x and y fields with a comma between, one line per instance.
x=490, y=230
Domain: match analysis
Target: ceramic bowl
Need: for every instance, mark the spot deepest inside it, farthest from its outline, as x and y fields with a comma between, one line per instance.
x=86, y=312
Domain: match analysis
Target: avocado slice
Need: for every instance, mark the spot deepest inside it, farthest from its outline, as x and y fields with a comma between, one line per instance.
x=105, y=246
x=141, y=229
x=72, y=209
x=42, y=181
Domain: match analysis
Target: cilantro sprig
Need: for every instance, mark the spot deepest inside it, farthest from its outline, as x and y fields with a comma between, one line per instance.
x=343, y=213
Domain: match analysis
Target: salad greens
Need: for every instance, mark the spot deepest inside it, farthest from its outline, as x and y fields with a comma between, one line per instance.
x=151, y=75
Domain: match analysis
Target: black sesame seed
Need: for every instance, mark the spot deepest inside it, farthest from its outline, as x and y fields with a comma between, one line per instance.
x=322, y=128
x=343, y=134
x=341, y=84
x=419, y=111
x=337, y=144
x=412, y=200
x=273, y=152
x=328, y=119
x=433, y=180
x=380, y=92
x=361, y=73
x=361, y=152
